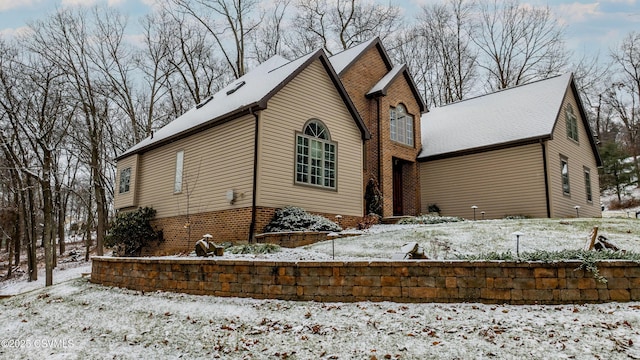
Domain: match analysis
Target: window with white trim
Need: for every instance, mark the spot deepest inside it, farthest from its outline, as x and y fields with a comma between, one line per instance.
x=572, y=123
x=401, y=125
x=315, y=156
x=177, y=187
x=564, y=172
x=125, y=180
x=587, y=184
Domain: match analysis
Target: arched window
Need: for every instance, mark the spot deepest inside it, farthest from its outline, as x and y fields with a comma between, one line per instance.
x=401, y=125
x=315, y=156
x=572, y=123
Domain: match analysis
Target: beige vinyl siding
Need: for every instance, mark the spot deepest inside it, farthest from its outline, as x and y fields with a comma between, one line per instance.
x=128, y=199
x=579, y=155
x=215, y=161
x=500, y=182
x=311, y=95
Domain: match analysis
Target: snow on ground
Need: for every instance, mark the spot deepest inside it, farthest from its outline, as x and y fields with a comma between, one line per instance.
x=77, y=319
x=60, y=274
x=448, y=241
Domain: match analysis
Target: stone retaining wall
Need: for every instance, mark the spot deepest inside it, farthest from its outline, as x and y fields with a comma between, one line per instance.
x=398, y=281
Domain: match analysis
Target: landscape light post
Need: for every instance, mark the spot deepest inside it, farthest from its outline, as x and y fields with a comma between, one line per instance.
x=577, y=207
x=474, y=212
x=518, y=234
x=482, y=213
x=333, y=239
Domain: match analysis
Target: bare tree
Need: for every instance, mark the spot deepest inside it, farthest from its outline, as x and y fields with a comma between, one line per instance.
x=590, y=74
x=44, y=129
x=337, y=25
x=268, y=39
x=227, y=21
x=517, y=43
x=445, y=54
x=624, y=94
x=66, y=39
x=12, y=106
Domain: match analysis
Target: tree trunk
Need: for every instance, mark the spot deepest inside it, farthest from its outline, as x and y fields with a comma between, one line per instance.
x=31, y=239
x=47, y=209
x=60, y=204
x=10, y=249
x=88, y=227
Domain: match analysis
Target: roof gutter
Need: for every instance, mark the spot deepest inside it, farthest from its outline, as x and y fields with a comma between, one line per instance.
x=481, y=149
x=248, y=109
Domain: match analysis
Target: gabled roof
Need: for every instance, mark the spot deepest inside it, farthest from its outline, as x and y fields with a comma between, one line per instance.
x=250, y=92
x=344, y=60
x=380, y=88
x=515, y=116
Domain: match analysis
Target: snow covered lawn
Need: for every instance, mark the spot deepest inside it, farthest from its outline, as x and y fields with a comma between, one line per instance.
x=77, y=319
x=446, y=241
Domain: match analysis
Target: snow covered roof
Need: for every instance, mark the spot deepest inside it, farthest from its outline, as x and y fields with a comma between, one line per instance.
x=382, y=85
x=251, y=91
x=343, y=60
x=514, y=115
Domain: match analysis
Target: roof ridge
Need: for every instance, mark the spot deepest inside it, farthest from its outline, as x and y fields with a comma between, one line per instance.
x=499, y=91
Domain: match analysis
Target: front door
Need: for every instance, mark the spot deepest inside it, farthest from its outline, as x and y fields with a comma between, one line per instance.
x=397, y=188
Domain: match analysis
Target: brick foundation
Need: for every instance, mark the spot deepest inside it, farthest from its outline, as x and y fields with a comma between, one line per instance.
x=225, y=226
x=398, y=281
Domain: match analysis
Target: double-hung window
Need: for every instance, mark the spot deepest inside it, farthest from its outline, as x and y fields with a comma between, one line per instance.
x=401, y=125
x=315, y=156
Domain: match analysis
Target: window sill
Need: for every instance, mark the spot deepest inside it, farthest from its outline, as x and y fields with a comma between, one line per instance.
x=318, y=187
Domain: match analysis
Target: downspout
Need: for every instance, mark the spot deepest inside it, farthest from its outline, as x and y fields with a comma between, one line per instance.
x=546, y=178
x=379, y=141
x=252, y=226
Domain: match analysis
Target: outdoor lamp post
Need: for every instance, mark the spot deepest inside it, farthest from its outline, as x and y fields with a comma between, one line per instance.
x=333, y=239
x=577, y=207
x=518, y=234
x=474, y=212
x=482, y=213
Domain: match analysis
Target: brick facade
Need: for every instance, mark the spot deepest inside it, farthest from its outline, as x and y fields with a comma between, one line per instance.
x=225, y=226
x=397, y=281
x=380, y=151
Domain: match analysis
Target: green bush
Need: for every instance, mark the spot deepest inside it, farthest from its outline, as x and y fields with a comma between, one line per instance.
x=516, y=217
x=588, y=258
x=433, y=208
x=131, y=231
x=430, y=219
x=254, y=249
x=292, y=218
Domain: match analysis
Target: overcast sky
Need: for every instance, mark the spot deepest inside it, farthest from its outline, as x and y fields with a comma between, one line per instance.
x=591, y=26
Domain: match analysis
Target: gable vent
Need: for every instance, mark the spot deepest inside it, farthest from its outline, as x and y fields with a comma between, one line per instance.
x=203, y=103
x=235, y=88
